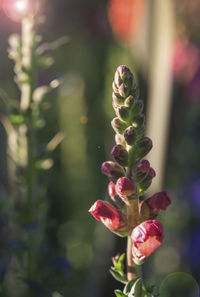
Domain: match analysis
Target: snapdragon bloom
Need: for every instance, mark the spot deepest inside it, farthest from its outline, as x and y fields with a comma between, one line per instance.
x=108, y=214
x=146, y=237
x=160, y=200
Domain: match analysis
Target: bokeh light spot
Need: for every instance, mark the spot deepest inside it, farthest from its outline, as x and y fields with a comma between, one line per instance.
x=21, y=5
x=84, y=120
x=16, y=10
x=179, y=284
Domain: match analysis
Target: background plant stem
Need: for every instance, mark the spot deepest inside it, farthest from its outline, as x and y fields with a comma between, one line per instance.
x=25, y=104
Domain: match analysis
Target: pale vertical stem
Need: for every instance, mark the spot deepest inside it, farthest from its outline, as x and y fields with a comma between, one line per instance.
x=26, y=96
x=27, y=61
x=25, y=104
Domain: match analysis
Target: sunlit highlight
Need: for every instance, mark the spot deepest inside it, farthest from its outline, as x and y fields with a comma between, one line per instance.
x=19, y=9
x=21, y=5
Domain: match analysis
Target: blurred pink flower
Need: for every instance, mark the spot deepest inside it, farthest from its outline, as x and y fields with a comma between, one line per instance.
x=186, y=61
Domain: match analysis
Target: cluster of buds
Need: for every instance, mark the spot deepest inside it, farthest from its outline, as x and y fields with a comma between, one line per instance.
x=130, y=174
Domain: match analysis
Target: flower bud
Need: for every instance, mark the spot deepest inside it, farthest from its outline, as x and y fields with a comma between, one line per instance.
x=120, y=154
x=112, y=169
x=144, y=145
x=124, y=187
x=115, y=106
x=145, y=211
x=123, y=74
x=119, y=139
x=129, y=101
x=123, y=90
x=130, y=135
x=111, y=189
x=123, y=112
x=113, y=195
x=146, y=182
x=146, y=238
x=136, y=108
x=110, y=217
x=118, y=125
x=135, y=92
x=115, y=88
x=117, y=99
x=141, y=170
x=160, y=200
x=138, y=121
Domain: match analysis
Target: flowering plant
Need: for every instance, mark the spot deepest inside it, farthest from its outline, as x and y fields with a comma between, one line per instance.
x=29, y=157
x=130, y=175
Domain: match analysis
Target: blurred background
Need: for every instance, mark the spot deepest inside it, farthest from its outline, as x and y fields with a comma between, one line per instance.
x=160, y=42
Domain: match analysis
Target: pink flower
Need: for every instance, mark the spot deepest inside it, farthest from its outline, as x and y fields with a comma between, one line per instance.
x=112, y=169
x=160, y=200
x=146, y=237
x=111, y=189
x=124, y=187
x=186, y=60
x=108, y=214
x=113, y=195
x=143, y=166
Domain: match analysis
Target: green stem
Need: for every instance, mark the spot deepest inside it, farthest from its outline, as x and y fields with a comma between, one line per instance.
x=130, y=264
x=131, y=273
x=133, y=270
x=131, y=162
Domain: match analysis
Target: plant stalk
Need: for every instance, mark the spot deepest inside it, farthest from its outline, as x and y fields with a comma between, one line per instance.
x=131, y=273
x=27, y=88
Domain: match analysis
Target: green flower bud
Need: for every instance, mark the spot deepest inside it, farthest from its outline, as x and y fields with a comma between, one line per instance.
x=123, y=112
x=115, y=106
x=144, y=145
x=138, y=121
x=123, y=74
x=119, y=139
x=120, y=154
x=129, y=101
x=115, y=88
x=124, y=82
x=135, y=93
x=118, y=125
x=145, y=184
x=123, y=90
x=137, y=107
x=130, y=135
x=141, y=170
x=117, y=99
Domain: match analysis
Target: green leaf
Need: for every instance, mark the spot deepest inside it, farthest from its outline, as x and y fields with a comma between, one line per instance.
x=118, y=276
x=118, y=270
x=129, y=285
x=148, y=291
x=119, y=293
x=120, y=265
x=136, y=289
